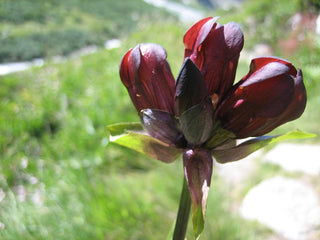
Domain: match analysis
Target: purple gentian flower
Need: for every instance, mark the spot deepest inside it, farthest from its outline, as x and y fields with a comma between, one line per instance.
x=204, y=110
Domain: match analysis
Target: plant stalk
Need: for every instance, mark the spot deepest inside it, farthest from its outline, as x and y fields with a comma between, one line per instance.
x=183, y=213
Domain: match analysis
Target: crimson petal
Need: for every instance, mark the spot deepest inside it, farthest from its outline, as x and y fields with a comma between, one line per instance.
x=267, y=97
x=215, y=49
x=147, y=76
x=293, y=111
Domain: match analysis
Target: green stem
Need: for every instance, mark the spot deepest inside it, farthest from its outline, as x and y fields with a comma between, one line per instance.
x=183, y=213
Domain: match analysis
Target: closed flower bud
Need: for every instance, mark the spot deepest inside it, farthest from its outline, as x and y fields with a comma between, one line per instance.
x=215, y=49
x=271, y=94
x=146, y=74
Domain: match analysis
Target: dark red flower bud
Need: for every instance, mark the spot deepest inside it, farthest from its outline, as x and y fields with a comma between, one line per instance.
x=271, y=94
x=147, y=76
x=215, y=49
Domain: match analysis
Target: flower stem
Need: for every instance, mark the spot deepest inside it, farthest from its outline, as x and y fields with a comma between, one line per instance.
x=183, y=213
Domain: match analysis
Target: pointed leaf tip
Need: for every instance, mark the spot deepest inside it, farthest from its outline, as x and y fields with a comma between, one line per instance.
x=198, y=222
x=191, y=88
x=246, y=148
x=122, y=128
x=131, y=135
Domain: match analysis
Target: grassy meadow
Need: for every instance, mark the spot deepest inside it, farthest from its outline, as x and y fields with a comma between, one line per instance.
x=34, y=29
x=59, y=177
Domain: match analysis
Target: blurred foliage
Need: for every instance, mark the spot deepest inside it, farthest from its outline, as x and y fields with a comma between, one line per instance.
x=310, y=5
x=37, y=29
x=38, y=45
x=262, y=21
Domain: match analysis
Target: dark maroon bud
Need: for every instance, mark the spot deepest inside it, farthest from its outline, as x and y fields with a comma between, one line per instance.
x=271, y=94
x=215, y=49
x=146, y=74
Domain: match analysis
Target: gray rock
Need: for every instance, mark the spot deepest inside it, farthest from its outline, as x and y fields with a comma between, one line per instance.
x=296, y=158
x=287, y=206
x=235, y=172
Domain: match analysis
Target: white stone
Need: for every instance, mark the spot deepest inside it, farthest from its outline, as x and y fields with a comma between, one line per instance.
x=6, y=68
x=296, y=158
x=287, y=206
x=235, y=172
x=185, y=14
x=112, y=43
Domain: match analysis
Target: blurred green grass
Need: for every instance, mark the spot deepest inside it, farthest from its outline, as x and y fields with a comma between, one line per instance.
x=59, y=179
x=37, y=29
x=54, y=159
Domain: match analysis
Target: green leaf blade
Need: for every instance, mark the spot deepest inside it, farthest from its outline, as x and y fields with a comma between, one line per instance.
x=246, y=148
x=198, y=221
x=122, y=128
x=130, y=135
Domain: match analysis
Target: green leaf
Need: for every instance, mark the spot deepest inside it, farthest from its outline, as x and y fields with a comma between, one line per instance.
x=197, y=122
x=122, y=128
x=219, y=137
x=139, y=141
x=198, y=221
x=293, y=135
x=244, y=149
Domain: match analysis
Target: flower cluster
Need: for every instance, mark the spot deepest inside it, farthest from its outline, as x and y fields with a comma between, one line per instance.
x=204, y=111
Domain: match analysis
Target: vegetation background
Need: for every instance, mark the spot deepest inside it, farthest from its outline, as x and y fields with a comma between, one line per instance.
x=58, y=180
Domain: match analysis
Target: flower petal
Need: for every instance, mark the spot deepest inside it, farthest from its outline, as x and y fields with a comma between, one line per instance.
x=260, y=62
x=163, y=126
x=148, y=78
x=267, y=97
x=191, y=37
x=198, y=170
x=293, y=111
x=298, y=103
x=215, y=50
x=190, y=87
